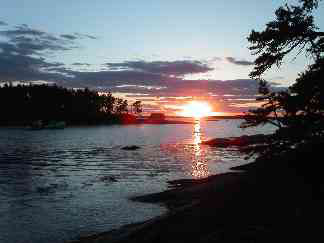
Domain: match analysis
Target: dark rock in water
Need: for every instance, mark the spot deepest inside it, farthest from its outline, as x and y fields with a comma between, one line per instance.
x=108, y=178
x=113, y=179
x=244, y=140
x=132, y=147
x=219, y=142
x=47, y=189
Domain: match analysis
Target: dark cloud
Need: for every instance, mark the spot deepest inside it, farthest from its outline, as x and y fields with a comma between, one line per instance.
x=26, y=68
x=165, y=68
x=69, y=37
x=23, y=51
x=3, y=23
x=91, y=37
x=81, y=64
x=22, y=30
x=76, y=36
x=239, y=62
x=81, y=36
x=24, y=40
x=111, y=79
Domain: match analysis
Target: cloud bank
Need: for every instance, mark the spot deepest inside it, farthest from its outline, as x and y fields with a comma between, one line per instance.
x=165, y=68
x=25, y=56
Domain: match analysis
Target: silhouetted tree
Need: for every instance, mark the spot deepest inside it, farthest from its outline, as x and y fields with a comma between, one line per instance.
x=121, y=106
x=137, y=107
x=298, y=112
x=108, y=103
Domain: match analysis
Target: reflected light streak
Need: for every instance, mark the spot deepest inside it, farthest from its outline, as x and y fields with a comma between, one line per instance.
x=199, y=166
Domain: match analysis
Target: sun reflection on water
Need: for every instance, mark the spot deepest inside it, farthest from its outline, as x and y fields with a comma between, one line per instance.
x=199, y=166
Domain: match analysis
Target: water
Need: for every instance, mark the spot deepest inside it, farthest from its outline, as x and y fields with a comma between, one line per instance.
x=56, y=185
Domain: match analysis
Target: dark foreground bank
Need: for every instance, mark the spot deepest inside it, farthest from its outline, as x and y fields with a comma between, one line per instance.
x=267, y=201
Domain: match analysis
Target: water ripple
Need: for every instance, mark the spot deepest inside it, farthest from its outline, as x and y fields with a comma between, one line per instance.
x=55, y=185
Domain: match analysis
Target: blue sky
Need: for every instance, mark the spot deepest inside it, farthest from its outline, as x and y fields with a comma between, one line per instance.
x=205, y=33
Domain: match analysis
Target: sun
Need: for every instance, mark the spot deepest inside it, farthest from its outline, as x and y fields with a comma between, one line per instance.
x=196, y=109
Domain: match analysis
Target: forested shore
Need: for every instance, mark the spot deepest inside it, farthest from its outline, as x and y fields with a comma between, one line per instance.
x=24, y=104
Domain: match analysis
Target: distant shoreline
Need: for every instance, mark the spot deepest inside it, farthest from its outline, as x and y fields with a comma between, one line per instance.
x=169, y=120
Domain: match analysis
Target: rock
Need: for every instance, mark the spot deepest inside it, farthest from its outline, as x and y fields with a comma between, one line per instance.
x=218, y=142
x=242, y=141
x=132, y=147
x=108, y=178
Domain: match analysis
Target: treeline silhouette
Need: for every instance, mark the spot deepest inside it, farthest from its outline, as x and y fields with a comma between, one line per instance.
x=297, y=112
x=24, y=104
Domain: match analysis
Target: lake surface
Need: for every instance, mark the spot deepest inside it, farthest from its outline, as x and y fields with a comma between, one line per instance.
x=56, y=185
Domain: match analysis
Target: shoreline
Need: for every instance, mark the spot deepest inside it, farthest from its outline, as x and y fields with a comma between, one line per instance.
x=181, y=196
x=257, y=203
x=167, y=122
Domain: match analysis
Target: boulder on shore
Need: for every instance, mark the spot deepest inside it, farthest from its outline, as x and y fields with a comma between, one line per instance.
x=218, y=142
x=244, y=140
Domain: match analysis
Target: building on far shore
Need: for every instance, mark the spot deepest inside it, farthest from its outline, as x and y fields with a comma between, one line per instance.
x=157, y=117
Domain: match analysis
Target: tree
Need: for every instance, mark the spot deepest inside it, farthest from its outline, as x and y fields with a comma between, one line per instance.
x=108, y=102
x=298, y=112
x=27, y=103
x=137, y=107
x=121, y=106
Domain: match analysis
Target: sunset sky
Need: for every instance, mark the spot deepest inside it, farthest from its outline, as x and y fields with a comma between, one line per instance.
x=164, y=53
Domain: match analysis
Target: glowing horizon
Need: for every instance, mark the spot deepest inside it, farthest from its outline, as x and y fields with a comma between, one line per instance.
x=196, y=109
